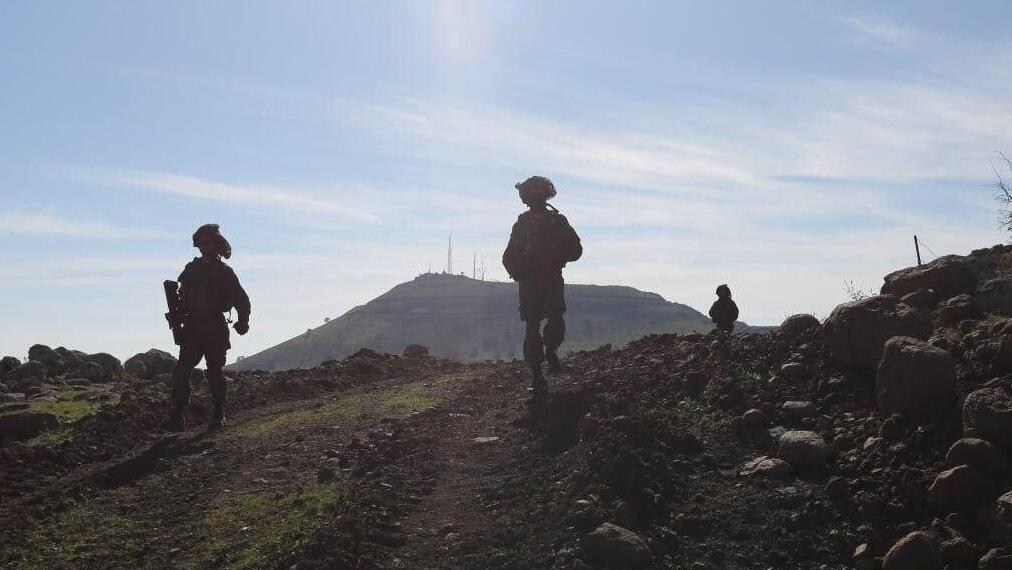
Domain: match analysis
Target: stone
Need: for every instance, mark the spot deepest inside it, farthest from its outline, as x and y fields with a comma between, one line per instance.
x=7, y=364
x=71, y=358
x=150, y=364
x=90, y=370
x=994, y=296
x=794, y=325
x=856, y=332
x=52, y=359
x=803, y=449
x=32, y=370
x=1003, y=514
x=987, y=413
x=915, y=379
x=947, y=276
x=923, y=299
x=26, y=424
x=754, y=418
x=915, y=551
x=979, y=454
x=770, y=467
x=961, y=488
x=959, y=551
x=112, y=366
x=612, y=546
x=415, y=351
x=798, y=409
x=956, y=309
x=996, y=559
x=794, y=371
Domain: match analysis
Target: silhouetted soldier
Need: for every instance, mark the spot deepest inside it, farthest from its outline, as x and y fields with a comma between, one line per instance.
x=207, y=289
x=724, y=311
x=541, y=243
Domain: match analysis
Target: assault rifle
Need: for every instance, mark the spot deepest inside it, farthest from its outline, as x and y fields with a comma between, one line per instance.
x=175, y=314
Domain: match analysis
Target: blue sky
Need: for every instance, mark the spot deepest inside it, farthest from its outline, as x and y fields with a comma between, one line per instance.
x=781, y=147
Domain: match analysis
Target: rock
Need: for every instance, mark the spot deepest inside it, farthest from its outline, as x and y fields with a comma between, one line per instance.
x=996, y=559
x=959, y=551
x=987, y=413
x=797, y=324
x=923, y=299
x=584, y=516
x=7, y=364
x=956, y=309
x=947, y=276
x=764, y=466
x=794, y=371
x=915, y=551
x=112, y=366
x=958, y=489
x=755, y=418
x=855, y=333
x=615, y=547
x=863, y=557
x=994, y=296
x=798, y=409
x=148, y=365
x=33, y=370
x=71, y=358
x=52, y=359
x=415, y=351
x=23, y=425
x=803, y=449
x=89, y=370
x=838, y=488
x=915, y=379
x=1003, y=514
x=979, y=454
x=486, y=439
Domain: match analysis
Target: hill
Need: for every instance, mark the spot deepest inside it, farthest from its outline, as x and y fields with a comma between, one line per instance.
x=458, y=317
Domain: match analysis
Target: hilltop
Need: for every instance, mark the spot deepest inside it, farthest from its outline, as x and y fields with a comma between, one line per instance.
x=879, y=438
x=468, y=319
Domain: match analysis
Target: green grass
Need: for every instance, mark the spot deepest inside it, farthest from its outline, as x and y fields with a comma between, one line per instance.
x=254, y=531
x=68, y=408
x=393, y=403
x=51, y=437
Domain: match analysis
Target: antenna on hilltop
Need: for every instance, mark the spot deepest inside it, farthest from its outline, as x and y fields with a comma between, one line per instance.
x=449, y=255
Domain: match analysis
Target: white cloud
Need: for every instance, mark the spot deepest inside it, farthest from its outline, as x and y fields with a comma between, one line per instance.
x=47, y=224
x=879, y=33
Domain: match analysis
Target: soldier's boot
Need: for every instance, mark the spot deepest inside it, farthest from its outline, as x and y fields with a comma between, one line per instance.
x=538, y=383
x=217, y=420
x=175, y=421
x=555, y=366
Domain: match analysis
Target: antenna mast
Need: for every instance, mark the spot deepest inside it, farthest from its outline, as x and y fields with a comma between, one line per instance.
x=449, y=255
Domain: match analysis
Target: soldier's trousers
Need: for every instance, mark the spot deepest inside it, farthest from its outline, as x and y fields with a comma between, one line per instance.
x=189, y=356
x=536, y=343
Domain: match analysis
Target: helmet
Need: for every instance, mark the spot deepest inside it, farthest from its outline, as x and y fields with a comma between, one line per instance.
x=723, y=291
x=210, y=232
x=537, y=187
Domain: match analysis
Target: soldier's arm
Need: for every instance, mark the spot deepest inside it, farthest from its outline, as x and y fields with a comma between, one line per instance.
x=239, y=298
x=509, y=257
x=573, y=246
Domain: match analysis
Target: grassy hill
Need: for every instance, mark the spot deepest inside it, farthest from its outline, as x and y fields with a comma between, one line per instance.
x=459, y=317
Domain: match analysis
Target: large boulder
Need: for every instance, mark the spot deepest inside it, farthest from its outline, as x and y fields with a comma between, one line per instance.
x=797, y=324
x=25, y=424
x=31, y=370
x=7, y=364
x=915, y=551
x=71, y=358
x=803, y=449
x=987, y=413
x=1003, y=514
x=915, y=379
x=52, y=359
x=948, y=276
x=112, y=366
x=958, y=308
x=994, y=296
x=979, y=454
x=961, y=488
x=148, y=365
x=856, y=332
x=91, y=371
x=612, y=546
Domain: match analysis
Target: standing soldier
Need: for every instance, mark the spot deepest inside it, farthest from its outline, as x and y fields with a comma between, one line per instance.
x=724, y=311
x=207, y=289
x=541, y=243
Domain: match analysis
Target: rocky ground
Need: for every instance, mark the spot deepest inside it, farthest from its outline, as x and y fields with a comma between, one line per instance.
x=878, y=438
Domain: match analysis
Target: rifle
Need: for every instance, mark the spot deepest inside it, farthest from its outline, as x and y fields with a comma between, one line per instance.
x=175, y=314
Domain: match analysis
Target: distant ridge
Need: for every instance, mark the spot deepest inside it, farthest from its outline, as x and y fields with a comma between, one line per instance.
x=459, y=317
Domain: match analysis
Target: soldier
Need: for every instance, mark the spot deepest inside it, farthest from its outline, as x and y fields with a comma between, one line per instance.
x=541, y=243
x=724, y=311
x=207, y=289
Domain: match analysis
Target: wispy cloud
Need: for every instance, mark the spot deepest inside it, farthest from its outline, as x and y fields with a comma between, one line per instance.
x=291, y=199
x=47, y=224
x=879, y=33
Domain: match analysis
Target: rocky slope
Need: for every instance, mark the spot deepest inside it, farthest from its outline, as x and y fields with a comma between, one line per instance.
x=462, y=318
x=877, y=439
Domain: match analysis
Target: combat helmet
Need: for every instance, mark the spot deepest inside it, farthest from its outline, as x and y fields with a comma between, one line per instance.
x=211, y=232
x=723, y=291
x=536, y=187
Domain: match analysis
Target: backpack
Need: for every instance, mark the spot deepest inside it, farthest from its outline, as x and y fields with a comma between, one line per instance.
x=541, y=245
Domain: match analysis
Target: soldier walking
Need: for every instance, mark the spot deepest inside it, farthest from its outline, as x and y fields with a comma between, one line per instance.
x=724, y=311
x=541, y=243
x=207, y=289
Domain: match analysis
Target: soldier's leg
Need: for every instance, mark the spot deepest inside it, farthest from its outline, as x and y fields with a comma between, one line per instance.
x=555, y=333
x=216, y=385
x=534, y=348
x=189, y=356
